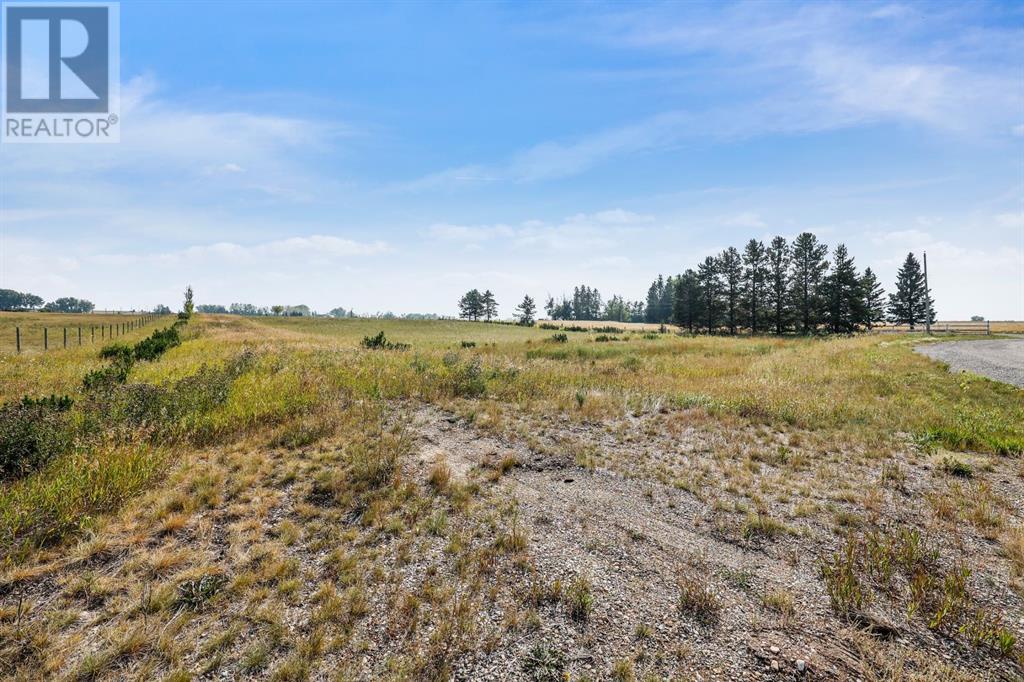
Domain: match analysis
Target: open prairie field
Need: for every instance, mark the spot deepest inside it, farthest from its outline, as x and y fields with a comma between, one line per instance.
x=276, y=498
x=32, y=325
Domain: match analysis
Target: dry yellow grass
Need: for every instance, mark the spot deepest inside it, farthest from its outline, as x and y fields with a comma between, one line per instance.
x=292, y=517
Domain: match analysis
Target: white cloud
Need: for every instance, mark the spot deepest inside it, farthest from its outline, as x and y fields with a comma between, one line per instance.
x=602, y=229
x=893, y=11
x=319, y=247
x=744, y=219
x=1011, y=220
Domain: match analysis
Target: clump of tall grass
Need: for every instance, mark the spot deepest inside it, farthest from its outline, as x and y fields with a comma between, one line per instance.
x=64, y=497
x=905, y=568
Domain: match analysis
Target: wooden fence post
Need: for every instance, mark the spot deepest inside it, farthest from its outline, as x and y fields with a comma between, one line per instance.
x=17, y=338
x=65, y=337
x=79, y=335
x=46, y=338
x=92, y=334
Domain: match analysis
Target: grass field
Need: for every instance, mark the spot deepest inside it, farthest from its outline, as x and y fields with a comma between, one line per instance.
x=270, y=498
x=95, y=330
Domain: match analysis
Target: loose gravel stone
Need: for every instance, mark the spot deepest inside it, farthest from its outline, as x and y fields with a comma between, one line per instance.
x=999, y=359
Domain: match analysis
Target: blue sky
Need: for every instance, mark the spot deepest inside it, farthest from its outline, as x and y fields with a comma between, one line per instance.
x=391, y=156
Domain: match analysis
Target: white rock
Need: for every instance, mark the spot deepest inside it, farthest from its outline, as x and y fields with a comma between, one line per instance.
x=801, y=664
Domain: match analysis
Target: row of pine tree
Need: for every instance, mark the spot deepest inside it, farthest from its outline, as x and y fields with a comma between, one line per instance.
x=776, y=288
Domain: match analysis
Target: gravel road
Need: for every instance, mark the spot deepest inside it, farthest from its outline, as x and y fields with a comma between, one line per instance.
x=1002, y=360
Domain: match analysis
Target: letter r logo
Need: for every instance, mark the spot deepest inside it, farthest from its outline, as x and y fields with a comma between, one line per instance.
x=57, y=59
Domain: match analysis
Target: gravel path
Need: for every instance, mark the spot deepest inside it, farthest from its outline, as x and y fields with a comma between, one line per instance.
x=1002, y=360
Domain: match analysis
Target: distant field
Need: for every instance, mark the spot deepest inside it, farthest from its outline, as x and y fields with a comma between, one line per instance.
x=628, y=326
x=271, y=499
x=32, y=325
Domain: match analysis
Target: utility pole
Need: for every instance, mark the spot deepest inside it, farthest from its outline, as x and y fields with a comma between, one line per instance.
x=927, y=299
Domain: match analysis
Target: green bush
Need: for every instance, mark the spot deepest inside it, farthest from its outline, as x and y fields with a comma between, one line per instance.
x=112, y=375
x=158, y=343
x=117, y=351
x=33, y=432
x=380, y=342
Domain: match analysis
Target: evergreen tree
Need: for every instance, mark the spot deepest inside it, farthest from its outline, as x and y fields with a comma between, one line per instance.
x=777, y=291
x=874, y=299
x=489, y=305
x=559, y=310
x=710, y=292
x=686, y=301
x=755, y=275
x=188, y=308
x=809, y=266
x=731, y=267
x=912, y=303
x=654, y=297
x=471, y=305
x=844, y=300
x=666, y=303
x=617, y=309
x=526, y=311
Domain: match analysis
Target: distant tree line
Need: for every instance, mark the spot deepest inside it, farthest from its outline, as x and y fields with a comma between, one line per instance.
x=783, y=287
x=251, y=310
x=586, y=304
x=11, y=300
x=778, y=288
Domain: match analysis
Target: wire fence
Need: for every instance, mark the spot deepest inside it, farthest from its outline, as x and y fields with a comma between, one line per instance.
x=983, y=327
x=46, y=338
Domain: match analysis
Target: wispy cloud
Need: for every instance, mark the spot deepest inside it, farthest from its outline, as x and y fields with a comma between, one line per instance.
x=788, y=69
x=602, y=229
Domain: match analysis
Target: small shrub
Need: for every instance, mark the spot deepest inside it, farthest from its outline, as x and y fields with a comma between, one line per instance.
x=559, y=338
x=158, y=343
x=578, y=599
x=623, y=671
x=32, y=432
x=374, y=464
x=956, y=467
x=547, y=325
x=440, y=476
x=543, y=663
x=116, y=350
x=469, y=344
x=469, y=380
x=380, y=342
x=194, y=594
x=781, y=602
x=108, y=377
x=697, y=600
x=762, y=526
